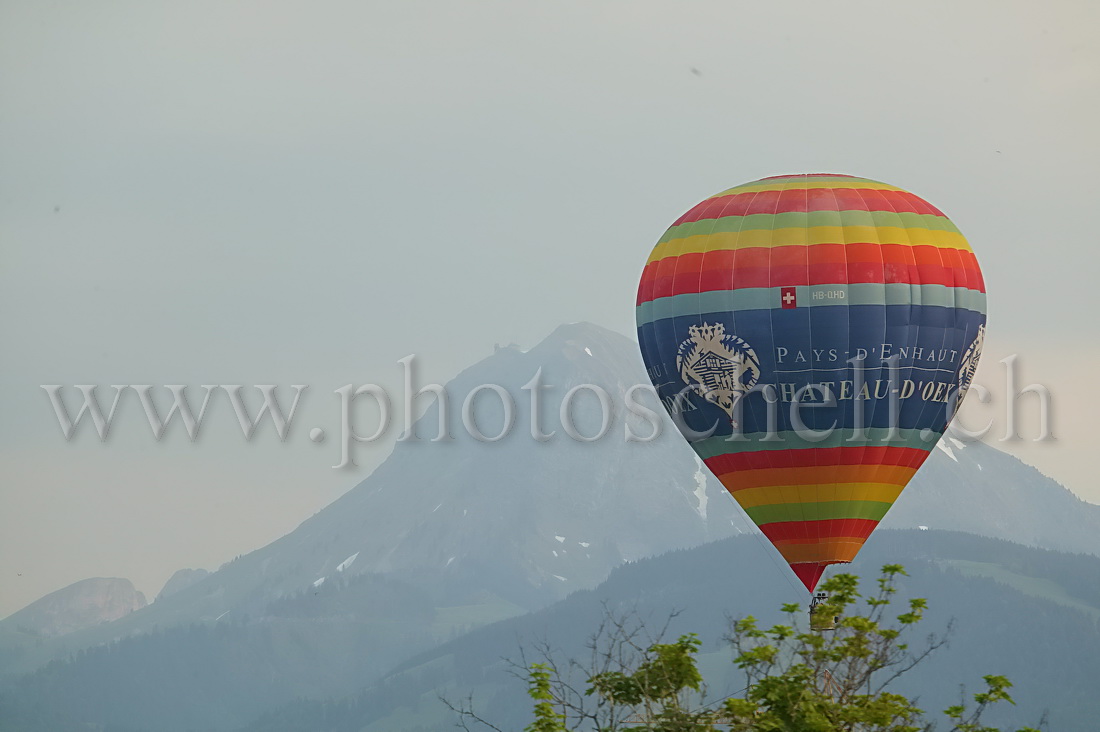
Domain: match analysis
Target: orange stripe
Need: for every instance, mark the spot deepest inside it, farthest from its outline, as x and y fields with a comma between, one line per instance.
x=830, y=551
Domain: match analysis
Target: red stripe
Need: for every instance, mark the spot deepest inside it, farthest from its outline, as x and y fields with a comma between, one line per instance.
x=811, y=531
x=809, y=573
x=817, y=457
x=804, y=200
x=816, y=264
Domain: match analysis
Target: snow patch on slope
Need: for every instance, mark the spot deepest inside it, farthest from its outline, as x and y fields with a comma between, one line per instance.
x=346, y=563
x=700, y=488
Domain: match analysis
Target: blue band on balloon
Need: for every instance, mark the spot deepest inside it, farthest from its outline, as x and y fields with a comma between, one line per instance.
x=767, y=298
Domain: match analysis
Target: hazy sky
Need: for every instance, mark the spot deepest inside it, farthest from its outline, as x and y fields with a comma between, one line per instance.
x=304, y=193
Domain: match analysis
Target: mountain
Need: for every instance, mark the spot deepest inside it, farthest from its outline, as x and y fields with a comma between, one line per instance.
x=1030, y=614
x=180, y=580
x=973, y=487
x=83, y=604
x=524, y=521
x=445, y=537
x=442, y=538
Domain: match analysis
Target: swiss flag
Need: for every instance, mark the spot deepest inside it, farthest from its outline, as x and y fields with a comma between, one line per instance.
x=788, y=297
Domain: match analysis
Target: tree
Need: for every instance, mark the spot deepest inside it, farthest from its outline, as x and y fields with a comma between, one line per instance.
x=797, y=679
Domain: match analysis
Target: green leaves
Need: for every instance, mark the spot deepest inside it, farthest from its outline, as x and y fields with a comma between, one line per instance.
x=996, y=690
x=798, y=680
x=547, y=719
x=669, y=670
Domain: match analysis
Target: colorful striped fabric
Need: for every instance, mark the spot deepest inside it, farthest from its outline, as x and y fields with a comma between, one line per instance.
x=775, y=311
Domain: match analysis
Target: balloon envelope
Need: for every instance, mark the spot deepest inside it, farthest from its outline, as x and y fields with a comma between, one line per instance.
x=812, y=336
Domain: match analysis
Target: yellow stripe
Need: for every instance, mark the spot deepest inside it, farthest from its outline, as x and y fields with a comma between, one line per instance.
x=827, y=552
x=784, y=494
x=791, y=184
x=808, y=236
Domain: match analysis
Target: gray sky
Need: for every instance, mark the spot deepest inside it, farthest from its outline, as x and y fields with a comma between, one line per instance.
x=305, y=193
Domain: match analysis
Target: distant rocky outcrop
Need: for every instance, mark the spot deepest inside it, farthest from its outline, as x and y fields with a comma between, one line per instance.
x=80, y=605
x=181, y=580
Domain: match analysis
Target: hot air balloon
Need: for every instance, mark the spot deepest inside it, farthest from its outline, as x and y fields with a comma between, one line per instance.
x=812, y=336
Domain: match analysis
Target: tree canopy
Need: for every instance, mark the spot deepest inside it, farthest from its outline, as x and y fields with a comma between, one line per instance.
x=797, y=679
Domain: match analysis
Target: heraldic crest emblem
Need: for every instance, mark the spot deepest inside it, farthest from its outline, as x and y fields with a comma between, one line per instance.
x=718, y=367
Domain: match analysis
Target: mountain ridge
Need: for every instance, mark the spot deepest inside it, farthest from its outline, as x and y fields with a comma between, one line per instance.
x=82, y=604
x=445, y=537
x=1049, y=633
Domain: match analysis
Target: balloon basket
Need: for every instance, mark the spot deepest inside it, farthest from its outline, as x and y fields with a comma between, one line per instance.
x=821, y=617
